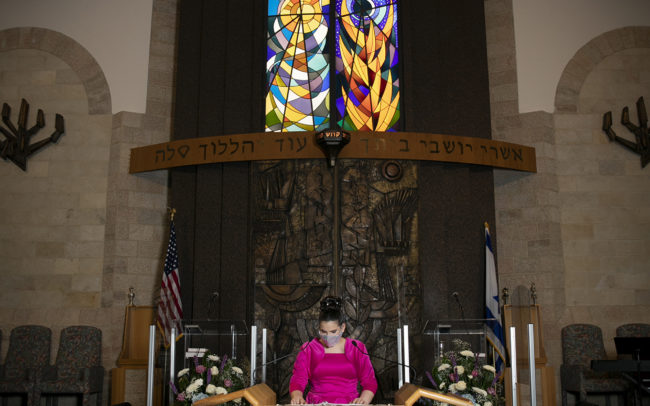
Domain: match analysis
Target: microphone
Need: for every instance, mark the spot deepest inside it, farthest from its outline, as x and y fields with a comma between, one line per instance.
x=412, y=368
x=212, y=305
x=456, y=295
x=278, y=359
x=462, y=313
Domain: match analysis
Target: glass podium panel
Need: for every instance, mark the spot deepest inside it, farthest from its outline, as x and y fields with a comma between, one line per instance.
x=220, y=337
x=457, y=334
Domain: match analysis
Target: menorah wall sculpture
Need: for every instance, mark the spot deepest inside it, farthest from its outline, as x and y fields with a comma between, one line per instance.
x=642, y=144
x=16, y=146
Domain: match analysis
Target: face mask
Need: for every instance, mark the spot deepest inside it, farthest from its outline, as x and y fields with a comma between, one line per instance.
x=331, y=340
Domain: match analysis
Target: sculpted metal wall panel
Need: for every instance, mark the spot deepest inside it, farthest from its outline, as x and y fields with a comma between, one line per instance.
x=295, y=232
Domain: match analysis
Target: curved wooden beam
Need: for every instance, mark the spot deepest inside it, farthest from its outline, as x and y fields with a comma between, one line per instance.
x=363, y=145
x=257, y=395
x=409, y=394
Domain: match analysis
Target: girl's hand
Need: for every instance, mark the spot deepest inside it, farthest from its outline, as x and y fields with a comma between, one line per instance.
x=296, y=398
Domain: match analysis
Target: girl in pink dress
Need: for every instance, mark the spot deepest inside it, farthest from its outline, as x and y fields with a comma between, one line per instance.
x=332, y=364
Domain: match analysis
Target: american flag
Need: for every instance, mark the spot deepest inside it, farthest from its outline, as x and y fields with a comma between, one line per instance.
x=170, y=307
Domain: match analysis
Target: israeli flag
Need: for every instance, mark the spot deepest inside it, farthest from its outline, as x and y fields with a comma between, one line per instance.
x=495, y=334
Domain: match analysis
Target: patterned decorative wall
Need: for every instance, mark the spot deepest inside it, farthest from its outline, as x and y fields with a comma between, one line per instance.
x=294, y=232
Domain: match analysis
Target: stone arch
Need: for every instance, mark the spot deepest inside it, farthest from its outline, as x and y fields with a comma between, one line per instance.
x=69, y=51
x=587, y=57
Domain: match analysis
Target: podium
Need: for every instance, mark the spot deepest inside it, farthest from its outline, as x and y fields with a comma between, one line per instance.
x=221, y=337
x=409, y=394
x=257, y=395
x=446, y=334
x=520, y=317
x=132, y=361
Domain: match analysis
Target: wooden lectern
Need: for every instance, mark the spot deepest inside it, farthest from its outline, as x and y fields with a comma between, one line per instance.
x=257, y=395
x=408, y=394
x=135, y=350
x=520, y=317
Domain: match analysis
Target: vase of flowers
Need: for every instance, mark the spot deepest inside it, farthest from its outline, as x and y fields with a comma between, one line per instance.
x=208, y=376
x=460, y=372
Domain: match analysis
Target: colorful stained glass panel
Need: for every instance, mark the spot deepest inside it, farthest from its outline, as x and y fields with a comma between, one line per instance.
x=367, y=88
x=297, y=65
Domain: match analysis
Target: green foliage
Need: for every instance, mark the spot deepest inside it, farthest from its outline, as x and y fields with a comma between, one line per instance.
x=459, y=372
x=207, y=376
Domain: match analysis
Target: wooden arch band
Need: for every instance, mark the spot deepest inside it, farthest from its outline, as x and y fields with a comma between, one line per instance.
x=363, y=145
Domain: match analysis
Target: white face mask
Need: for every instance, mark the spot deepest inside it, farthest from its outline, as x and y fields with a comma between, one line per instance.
x=331, y=340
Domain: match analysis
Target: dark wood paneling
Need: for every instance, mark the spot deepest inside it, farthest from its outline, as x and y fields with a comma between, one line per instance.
x=445, y=89
x=219, y=92
x=183, y=180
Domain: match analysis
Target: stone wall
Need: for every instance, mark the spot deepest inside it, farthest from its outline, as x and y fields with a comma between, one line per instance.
x=76, y=230
x=605, y=205
x=53, y=215
x=578, y=227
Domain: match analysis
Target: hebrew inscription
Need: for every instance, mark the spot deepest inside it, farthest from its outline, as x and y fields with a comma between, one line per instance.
x=363, y=145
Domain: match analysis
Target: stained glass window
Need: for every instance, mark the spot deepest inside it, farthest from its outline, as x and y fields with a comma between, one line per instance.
x=366, y=88
x=297, y=65
x=367, y=95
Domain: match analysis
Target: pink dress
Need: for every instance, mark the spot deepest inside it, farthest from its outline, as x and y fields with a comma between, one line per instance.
x=333, y=377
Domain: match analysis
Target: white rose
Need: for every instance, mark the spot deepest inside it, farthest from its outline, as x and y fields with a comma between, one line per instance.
x=442, y=367
x=221, y=390
x=213, y=358
x=183, y=372
x=214, y=371
x=489, y=368
x=467, y=353
x=442, y=385
x=194, y=386
x=238, y=400
x=479, y=391
x=191, y=388
x=452, y=388
x=487, y=404
x=237, y=370
x=460, y=370
x=211, y=389
x=461, y=385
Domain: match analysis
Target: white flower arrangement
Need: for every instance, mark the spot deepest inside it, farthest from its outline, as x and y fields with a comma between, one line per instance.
x=462, y=373
x=209, y=376
x=479, y=391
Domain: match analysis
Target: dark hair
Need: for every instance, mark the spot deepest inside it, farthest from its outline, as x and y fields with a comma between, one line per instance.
x=330, y=310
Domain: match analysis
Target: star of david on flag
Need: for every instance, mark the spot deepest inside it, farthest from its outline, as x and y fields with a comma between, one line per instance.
x=495, y=335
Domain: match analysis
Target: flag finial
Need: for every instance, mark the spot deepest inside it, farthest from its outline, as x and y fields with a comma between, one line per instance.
x=487, y=225
x=172, y=213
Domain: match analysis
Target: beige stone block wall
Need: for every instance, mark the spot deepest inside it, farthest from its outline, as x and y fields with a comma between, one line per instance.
x=528, y=228
x=579, y=227
x=52, y=216
x=605, y=206
x=77, y=230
